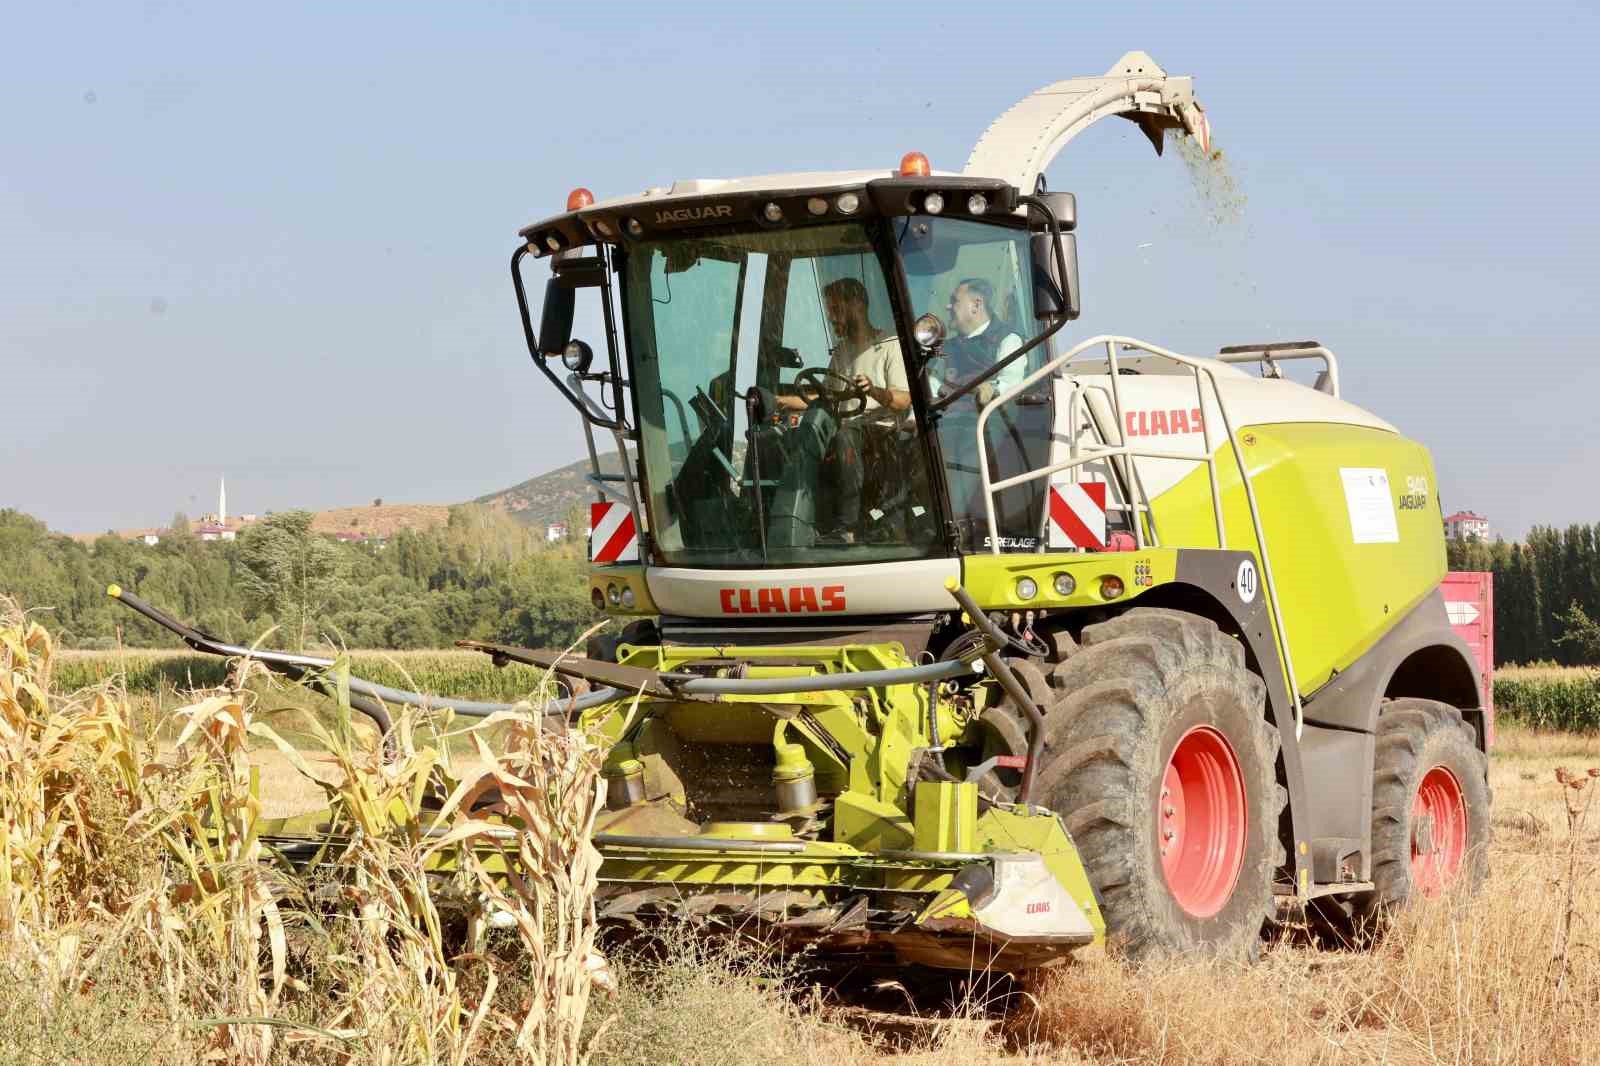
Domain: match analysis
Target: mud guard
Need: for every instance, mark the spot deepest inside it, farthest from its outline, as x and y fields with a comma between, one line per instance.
x=1215, y=573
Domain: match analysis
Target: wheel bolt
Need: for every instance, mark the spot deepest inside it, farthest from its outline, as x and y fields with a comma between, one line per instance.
x=1168, y=834
x=1169, y=811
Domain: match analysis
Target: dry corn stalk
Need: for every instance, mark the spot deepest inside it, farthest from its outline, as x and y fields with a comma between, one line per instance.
x=225, y=904
x=54, y=755
x=536, y=867
x=410, y=992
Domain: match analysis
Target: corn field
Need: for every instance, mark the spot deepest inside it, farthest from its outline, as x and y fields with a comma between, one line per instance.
x=144, y=921
x=1549, y=697
x=129, y=865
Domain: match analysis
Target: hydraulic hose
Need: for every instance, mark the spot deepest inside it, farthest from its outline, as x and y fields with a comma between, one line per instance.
x=1008, y=681
x=845, y=682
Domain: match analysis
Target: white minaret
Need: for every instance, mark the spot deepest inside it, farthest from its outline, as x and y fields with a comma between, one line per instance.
x=222, y=501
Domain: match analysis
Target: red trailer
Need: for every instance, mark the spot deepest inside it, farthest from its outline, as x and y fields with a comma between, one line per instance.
x=1469, y=597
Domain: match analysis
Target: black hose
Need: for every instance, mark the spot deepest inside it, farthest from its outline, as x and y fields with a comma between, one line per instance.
x=996, y=639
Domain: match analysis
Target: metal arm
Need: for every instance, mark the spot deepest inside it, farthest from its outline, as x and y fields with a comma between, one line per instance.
x=366, y=697
x=578, y=401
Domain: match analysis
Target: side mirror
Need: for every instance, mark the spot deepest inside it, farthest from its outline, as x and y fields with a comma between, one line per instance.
x=1055, y=296
x=555, y=322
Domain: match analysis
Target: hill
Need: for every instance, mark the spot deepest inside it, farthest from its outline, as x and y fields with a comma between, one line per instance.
x=549, y=496
x=382, y=521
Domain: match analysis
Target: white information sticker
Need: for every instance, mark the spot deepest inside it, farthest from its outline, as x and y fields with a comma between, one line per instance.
x=1371, y=505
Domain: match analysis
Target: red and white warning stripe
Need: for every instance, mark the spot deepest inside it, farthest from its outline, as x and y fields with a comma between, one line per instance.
x=615, y=538
x=1078, y=515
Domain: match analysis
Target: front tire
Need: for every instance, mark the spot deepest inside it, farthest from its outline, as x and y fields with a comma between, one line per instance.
x=1430, y=805
x=1159, y=757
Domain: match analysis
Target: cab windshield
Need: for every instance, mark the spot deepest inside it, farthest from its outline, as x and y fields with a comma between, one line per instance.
x=773, y=401
x=977, y=277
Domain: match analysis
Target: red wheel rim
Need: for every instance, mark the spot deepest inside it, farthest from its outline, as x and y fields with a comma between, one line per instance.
x=1438, y=831
x=1200, y=821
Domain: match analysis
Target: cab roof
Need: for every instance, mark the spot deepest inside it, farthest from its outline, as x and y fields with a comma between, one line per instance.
x=799, y=197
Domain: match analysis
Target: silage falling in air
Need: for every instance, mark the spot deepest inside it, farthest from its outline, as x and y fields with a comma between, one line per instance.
x=1218, y=195
x=1215, y=219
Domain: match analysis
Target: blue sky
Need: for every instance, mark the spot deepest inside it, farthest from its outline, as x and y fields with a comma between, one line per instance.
x=270, y=241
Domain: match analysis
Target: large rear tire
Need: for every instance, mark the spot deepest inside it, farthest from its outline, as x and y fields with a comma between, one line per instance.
x=1430, y=805
x=1160, y=760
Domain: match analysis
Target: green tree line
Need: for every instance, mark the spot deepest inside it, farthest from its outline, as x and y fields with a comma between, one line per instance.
x=480, y=576
x=1546, y=593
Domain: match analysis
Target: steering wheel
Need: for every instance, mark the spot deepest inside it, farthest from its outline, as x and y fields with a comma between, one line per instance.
x=834, y=389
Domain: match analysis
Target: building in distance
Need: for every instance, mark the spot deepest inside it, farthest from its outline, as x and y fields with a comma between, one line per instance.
x=1466, y=525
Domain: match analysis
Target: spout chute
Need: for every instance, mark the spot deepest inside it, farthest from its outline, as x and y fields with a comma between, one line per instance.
x=1020, y=144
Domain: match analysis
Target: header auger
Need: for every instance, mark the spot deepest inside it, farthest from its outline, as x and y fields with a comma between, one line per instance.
x=947, y=640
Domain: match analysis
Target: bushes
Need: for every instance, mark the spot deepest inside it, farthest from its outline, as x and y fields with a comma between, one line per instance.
x=1549, y=697
x=483, y=576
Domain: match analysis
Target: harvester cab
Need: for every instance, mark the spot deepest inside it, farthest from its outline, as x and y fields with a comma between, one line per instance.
x=944, y=640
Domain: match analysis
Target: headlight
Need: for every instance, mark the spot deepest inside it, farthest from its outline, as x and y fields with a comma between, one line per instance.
x=628, y=599
x=977, y=203
x=577, y=356
x=933, y=203
x=1065, y=585
x=613, y=596
x=635, y=228
x=772, y=213
x=847, y=203
x=1110, y=588
x=928, y=331
x=1027, y=588
x=817, y=205
x=597, y=598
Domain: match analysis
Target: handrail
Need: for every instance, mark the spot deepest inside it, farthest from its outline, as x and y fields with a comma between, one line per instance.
x=1199, y=367
x=597, y=477
x=1270, y=355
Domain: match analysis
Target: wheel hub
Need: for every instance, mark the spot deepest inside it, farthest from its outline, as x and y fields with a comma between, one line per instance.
x=1438, y=831
x=1200, y=821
